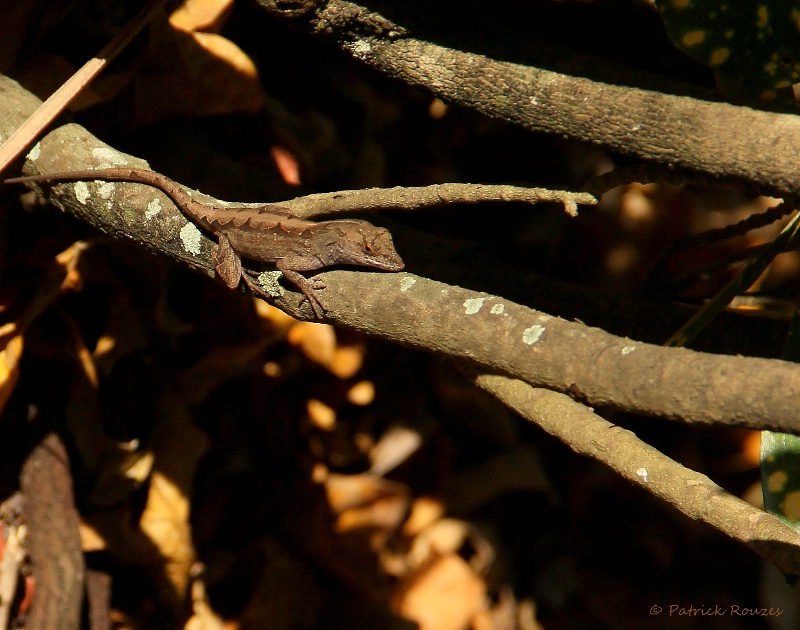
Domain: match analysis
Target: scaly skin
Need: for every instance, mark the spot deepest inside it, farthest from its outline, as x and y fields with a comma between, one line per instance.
x=263, y=234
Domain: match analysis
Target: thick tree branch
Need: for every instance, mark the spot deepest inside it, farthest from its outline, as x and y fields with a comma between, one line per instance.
x=620, y=314
x=692, y=493
x=721, y=140
x=495, y=332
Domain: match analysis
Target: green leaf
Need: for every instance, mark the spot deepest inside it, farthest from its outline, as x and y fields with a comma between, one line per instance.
x=780, y=454
x=754, y=47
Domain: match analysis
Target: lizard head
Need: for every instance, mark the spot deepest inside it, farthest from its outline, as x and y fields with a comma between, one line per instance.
x=369, y=246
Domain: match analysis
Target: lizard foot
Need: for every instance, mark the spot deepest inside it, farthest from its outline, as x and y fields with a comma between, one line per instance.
x=307, y=287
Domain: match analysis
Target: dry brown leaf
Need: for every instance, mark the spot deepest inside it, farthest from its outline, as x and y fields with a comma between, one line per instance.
x=385, y=513
x=347, y=361
x=445, y=536
x=450, y=535
x=287, y=164
x=319, y=472
x=165, y=521
x=9, y=366
x=12, y=556
x=483, y=621
x=316, y=341
x=321, y=415
x=110, y=464
x=424, y=512
x=117, y=469
x=227, y=77
x=274, y=317
x=355, y=491
x=91, y=540
x=445, y=595
x=178, y=445
x=394, y=447
x=194, y=74
x=201, y=15
x=362, y=393
x=203, y=618
x=369, y=504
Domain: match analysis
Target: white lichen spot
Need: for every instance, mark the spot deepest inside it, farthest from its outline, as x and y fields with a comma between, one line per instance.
x=191, y=237
x=109, y=156
x=361, y=48
x=105, y=190
x=627, y=350
x=35, y=152
x=270, y=282
x=642, y=472
x=153, y=208
x=498, y=309
x=81, y=192
x=531, y=335
x=406, y=282
x=473, y=305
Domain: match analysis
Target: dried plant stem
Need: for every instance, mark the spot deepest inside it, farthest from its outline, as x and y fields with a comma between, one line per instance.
x=740, y=283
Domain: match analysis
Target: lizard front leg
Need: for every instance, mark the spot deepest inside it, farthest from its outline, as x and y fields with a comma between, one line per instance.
x=228, y=263
x=313, y=300
x=229, y=268
x=307, y=287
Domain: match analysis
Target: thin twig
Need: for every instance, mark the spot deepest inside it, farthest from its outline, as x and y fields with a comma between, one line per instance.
x=716, y=235
x=686, y=333
x=418, y=198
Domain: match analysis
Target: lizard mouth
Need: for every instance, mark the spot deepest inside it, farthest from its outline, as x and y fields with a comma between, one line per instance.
x=385, y=262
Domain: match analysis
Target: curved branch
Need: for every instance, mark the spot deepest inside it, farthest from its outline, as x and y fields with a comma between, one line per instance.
x=719, y=139
x=692, y=493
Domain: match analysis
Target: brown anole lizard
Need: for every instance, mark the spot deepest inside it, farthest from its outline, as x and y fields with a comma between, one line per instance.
x=264, y=234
